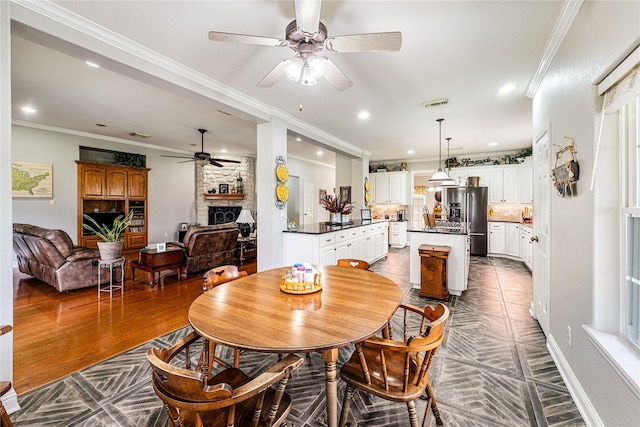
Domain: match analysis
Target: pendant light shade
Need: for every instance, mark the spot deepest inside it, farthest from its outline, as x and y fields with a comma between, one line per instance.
x=440, y=175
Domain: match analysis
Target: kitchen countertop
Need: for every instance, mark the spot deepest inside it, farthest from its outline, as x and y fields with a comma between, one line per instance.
x=324, y=227
x=461, y=232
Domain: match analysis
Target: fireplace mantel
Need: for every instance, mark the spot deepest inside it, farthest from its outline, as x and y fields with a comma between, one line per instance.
x=223, y=196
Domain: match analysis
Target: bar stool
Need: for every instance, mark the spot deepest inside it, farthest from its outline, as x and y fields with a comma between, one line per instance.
x=111, y=264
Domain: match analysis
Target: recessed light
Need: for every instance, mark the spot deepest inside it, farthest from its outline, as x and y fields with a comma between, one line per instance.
x=298, y=139
x=92, y=64
x=29, y=110
x=101, y=125
x=224, y=150
x=411, y=151
x=508, y=88
x=493, y=144
x=364, y=115
x=319, y=153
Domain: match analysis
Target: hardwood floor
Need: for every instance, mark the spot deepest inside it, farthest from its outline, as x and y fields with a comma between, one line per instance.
x=56, y=333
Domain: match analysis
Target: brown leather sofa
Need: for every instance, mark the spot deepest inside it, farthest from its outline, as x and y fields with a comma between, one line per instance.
x=208, y=246
x=50, y=255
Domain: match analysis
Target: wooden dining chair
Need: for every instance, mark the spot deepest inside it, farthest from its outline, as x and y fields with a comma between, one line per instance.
x=355, y=263
x=212, y=278
x=230, y=398
x=217, y=276
x=398, y=370
x=5, y=386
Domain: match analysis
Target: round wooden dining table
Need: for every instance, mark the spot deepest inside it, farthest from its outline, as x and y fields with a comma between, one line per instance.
x=252, y=313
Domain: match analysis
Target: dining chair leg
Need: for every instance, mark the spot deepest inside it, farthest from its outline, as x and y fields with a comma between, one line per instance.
x=346, y=404
x=413, y=415
x=432, y=402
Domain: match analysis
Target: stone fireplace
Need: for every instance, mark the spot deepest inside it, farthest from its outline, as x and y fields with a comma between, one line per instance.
x=210, y=177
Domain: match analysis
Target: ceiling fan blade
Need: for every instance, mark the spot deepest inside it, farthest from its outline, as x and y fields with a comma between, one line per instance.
x=334, y=76
x=308, y=15
x=187, y=161
x=214, y=163
x=275, y=74
x=226, y=160
x=217, y=36
x=369, y=42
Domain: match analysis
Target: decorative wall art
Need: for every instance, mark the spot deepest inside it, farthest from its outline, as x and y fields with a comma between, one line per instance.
x=345, y=194
x=282, y=175
x=565, y=176
x=31, y=179
x=323, y=194
x=223, y=188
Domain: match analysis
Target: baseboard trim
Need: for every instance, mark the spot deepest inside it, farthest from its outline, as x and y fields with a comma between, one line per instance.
x=10, y=401
x=587, y=410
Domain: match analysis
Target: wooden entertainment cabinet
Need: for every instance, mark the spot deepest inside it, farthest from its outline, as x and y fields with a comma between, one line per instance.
x=106, y=191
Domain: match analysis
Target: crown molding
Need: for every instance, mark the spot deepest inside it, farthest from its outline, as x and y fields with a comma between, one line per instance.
x=560, y=29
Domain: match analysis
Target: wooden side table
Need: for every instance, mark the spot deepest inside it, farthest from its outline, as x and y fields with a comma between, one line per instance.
x=247, y=248
x=152, y=261
x=111, y=264
x=433, y=271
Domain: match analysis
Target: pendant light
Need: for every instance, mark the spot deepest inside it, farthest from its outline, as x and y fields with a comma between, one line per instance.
x=450, y=182
x=440, y=175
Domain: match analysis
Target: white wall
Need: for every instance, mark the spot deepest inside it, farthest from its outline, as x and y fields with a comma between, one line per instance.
x=601, y=32
x=322, y=176
x=171, y=186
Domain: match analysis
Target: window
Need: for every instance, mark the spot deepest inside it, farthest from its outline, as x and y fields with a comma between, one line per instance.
x=630, y=220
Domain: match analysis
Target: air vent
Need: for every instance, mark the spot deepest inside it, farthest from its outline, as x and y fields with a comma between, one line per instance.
x=436, y=103
x=139, y=135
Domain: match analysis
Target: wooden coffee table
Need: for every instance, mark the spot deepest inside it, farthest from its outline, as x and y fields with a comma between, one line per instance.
x=152, y=261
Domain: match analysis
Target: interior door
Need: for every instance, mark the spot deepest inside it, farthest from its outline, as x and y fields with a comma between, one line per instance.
x=541, y=226
x=308, y=204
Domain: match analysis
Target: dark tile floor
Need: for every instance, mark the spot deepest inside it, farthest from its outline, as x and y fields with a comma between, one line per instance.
x=493, y=369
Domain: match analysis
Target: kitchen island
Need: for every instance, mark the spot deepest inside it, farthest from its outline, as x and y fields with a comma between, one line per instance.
x=325, y=243
x=457, y=262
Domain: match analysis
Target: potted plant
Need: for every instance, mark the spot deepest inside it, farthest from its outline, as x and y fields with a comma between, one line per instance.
x=111, y=246
x=336, y=207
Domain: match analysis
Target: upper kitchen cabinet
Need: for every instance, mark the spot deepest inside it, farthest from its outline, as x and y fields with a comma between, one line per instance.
x=525, y=181
x=390, y=187
x=503, y=184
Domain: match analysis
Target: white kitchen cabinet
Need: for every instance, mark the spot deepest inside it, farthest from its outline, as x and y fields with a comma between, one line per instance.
x=525, y=181
x=390, y=187
x=398, y=234
x=526, y=245
x=496, y=238
x=368, y=242
x=503, y=184
x=512, y=239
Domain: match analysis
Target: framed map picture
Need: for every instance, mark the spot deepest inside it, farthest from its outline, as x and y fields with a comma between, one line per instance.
x=31, y=179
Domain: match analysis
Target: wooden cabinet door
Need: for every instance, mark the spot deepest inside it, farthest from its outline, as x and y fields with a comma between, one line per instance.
x=116, y=183
x=135, y=240
x=398, y=188
x=92, y=182
x=512, y=239
x=137, y=184
x=510, y=184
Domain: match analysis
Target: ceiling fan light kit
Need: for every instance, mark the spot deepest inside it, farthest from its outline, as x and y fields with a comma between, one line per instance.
x=307, y=37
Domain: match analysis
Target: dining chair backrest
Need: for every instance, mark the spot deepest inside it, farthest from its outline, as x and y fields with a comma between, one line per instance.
x=232, y=396
x=5, y=386
x=219, y=275
x=396, y=368
x=355, y=263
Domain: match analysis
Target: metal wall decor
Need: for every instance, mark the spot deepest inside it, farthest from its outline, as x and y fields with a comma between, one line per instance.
x=565, y=176
x=282, y=175
x=367, y=187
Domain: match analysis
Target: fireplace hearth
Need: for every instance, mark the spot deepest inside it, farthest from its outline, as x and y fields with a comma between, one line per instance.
x=223, y=214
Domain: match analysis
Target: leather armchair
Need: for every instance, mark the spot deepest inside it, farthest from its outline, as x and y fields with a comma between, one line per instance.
x=208, y=246
x=50, y=255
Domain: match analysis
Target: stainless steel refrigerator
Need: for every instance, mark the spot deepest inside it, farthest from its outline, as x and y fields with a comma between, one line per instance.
x=469, y=205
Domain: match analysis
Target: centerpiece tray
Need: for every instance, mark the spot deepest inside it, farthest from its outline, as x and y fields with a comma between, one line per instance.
x=301, y=288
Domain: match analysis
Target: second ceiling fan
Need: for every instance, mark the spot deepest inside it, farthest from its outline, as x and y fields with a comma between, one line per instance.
x=202, y=155
x=308, y=37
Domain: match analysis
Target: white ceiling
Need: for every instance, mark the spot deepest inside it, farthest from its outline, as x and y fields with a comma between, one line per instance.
x=464, y=51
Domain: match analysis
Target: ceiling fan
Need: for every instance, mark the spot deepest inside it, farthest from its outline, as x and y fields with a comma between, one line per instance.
x=308, y=37
x=201, y=155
